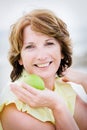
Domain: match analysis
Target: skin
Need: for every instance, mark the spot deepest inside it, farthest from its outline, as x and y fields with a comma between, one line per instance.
x=41, y=55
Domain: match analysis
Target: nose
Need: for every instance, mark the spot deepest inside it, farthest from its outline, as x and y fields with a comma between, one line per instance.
x=42, y=54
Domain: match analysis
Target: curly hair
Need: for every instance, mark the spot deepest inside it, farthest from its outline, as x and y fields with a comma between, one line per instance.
x=46, y=22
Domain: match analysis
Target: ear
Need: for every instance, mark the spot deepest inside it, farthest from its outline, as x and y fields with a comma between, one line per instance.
x=62, y=56
x=20, y=61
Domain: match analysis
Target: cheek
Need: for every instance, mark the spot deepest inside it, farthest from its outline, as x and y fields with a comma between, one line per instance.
x=58, y=61
x=58, y=54
x=57, y=50
x=23, y=59
x=27, y=59
x=58, y=57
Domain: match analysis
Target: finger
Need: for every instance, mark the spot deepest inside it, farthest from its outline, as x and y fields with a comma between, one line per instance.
x=20, y=92
x=30, y=88
x=24, y=95
x=65, y=79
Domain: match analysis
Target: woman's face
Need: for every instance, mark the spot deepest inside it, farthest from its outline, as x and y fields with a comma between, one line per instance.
x=40, y=53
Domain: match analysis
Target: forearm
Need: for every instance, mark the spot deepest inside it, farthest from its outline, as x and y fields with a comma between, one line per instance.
x=64, y=120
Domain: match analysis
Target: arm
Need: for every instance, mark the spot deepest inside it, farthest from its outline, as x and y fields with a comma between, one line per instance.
x=80, y=114
x=12, y=119
x=77, y=77
x=47, y=98
x=64, y=119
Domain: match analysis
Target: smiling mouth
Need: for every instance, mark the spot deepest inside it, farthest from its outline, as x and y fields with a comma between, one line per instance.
x=43, y=65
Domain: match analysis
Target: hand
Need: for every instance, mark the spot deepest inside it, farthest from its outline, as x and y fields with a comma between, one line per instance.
x=34, y=97
x=71, y=75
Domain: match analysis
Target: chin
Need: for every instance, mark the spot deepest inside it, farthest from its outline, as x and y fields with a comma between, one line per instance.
x=46, y=75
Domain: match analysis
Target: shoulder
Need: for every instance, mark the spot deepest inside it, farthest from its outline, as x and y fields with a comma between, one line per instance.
x=11, y=118
x=66, y=91
x=65, y=87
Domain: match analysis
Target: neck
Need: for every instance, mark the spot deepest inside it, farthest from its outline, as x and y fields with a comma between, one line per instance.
x=49, y=82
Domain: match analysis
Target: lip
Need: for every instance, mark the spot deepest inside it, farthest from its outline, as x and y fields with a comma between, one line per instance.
x=43, y=65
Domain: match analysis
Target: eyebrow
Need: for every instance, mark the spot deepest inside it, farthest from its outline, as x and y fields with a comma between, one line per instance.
x=49, y=39
x=28, y=42
x=33, y=42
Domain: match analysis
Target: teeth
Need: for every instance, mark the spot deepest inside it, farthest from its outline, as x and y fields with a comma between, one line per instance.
x=43, y=65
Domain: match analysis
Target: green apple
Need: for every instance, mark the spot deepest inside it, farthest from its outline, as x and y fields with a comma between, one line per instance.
x=33, y=80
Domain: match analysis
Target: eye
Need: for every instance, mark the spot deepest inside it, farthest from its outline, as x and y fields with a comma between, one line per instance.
x=30, y=47
x=49, y=43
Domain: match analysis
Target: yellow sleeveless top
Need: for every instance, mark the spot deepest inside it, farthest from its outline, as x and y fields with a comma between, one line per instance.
x=43, y=114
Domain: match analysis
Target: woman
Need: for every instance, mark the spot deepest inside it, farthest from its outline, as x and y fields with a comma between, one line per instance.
x=41, y=45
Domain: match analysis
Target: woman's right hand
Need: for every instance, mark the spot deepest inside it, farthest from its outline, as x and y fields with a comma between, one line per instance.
x=37, y=98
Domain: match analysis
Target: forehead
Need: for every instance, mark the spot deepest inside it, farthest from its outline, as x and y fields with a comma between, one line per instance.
x=28, y=31
x=29, y=34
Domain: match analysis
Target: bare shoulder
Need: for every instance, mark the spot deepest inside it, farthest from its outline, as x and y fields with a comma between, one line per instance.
x=12, y=119
x=80, y=114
